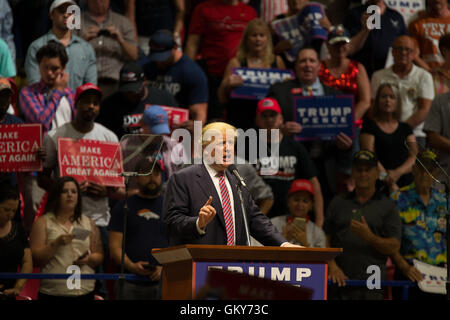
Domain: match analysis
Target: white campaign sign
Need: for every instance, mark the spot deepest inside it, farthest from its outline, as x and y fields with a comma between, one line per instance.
x=434, y=278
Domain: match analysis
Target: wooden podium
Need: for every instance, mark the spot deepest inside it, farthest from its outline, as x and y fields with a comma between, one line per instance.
x=185, y=268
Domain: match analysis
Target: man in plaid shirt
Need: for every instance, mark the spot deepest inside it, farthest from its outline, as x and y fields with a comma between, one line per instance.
x=50, y=101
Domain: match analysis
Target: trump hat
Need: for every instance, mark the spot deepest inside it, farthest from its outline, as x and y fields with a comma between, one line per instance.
x=268, y=104
x=87, y=87
x=301, y=185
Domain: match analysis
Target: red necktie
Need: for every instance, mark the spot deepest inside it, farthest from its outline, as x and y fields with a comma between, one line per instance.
x=226, y=206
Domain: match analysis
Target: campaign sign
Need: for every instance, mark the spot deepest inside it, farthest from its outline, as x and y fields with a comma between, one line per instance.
x=301, y=28
x=324, y=117
x=408, y=9
x=305, y=275
x=95, y=161
x=434, y=278
x=258, y=81
x=18, y=147
x=175, y=116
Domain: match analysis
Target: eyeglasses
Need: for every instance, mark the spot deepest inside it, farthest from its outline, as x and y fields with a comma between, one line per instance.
x=401, y=49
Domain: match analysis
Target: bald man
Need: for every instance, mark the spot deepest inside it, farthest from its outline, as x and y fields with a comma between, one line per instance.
x=415, y=85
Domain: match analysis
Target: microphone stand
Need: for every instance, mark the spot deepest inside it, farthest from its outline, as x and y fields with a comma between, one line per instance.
x=127, y=177
x=244, y=213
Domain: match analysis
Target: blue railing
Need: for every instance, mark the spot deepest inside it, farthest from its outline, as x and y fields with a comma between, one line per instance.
x=116, y=276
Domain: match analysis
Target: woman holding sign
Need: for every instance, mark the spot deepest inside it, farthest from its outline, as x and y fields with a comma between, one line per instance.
x=385, y=135
x=255, y=51
x=64, y=240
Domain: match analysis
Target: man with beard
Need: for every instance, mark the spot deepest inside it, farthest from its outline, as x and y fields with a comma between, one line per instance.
x=145, y=231
x=95, y=196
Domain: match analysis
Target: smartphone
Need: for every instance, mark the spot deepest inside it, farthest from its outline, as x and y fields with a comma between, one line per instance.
x=300, y=223
x=356, y=214
x=104, y=32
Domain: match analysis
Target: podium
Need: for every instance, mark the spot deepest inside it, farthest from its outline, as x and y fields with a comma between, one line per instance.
x=185, y=267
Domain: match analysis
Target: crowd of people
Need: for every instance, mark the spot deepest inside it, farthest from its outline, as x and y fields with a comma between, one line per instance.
x=126, y=63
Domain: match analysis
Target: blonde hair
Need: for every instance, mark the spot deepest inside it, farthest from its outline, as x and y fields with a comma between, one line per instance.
x=216, y=127
x=376, y=107
x=243, y=51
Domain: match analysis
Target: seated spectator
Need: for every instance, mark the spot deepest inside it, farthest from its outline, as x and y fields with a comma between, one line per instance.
x=121, y=111
x=145, y=231
x=81, y=66
x=215, y=31
x=366, y=224
x=95, y=196
x=441, y=74
x=386, y=135
x=422, y=209
x=427, y=29
x=304, y=35
x=255, y=51
x=415, y=84
x=50, y=101
x=7, y=65
x=294, y=162
x=296, y=226
x=55, y=248
x=150, y=16
x=171, y=70
x=113, y=39
x=155, y=121
x=372, y=45
x=14, y=247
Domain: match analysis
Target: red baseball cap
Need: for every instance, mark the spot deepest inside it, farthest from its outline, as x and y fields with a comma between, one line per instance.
x=301, y=185
x=85, y=87
x=268, y=104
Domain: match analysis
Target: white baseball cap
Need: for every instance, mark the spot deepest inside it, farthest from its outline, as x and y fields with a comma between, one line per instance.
x=57, y=3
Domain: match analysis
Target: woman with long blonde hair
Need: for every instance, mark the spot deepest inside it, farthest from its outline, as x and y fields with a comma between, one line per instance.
x=393, y=141
x=255, y=51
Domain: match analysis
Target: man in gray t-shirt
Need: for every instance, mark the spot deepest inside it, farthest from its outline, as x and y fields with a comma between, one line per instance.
x=437, y=127
x=366, y=224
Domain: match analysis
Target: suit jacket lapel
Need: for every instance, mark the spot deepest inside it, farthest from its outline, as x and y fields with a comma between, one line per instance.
x=206, y=184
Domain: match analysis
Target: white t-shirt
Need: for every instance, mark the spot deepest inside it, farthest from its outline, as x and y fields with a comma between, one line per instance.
x=63, y=113
x=417, y=84
x=96, y=209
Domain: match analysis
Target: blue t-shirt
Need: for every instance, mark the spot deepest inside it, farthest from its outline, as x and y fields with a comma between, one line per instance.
x=145, y=229
x=185, y=80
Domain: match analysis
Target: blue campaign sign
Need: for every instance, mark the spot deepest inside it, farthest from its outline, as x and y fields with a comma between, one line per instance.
x=306, y=275
x=301, y=28
x=324, y=117
x=257, y=82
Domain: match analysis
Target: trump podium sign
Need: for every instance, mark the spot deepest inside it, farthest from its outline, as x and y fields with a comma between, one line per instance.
x=19, y=144
x=95, y=161
x=323, y=117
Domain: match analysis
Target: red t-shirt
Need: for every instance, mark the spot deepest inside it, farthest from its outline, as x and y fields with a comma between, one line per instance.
x=220, y=27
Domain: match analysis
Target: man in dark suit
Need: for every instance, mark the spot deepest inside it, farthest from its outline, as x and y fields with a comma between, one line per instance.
x=332, y=158
x=201, y=204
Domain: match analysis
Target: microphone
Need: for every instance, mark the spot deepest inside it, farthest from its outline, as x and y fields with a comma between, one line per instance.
x=232, y=168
